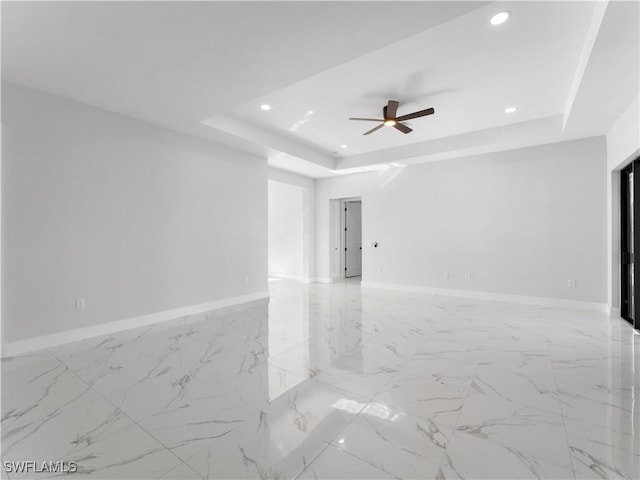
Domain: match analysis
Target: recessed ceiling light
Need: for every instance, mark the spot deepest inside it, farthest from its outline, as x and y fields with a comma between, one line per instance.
x=500, y=18
x=510, y=109
x=265, y=107
x=343, y=146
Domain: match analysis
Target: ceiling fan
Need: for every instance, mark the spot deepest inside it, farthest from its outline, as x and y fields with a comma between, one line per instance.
x=390, y=120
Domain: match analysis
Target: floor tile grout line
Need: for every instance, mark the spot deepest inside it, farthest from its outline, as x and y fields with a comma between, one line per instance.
x=21, y=388
x=312, y=461
x=182, y=463
x=145, y=430
x=330, y=442
x=445, y=454
x=330, y=445
x=89, y=388
x=326, y=445
x=371, y=398
x=139, y=331
x=118, y=409
x=564, y=421
x=362, y=459
x=135, y=422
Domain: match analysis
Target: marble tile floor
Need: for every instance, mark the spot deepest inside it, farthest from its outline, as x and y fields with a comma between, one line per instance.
x=336, y=382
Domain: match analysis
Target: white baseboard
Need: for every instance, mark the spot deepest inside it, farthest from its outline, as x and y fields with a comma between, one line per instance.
x=287, y=276
x=296, y=278
x=497, y=297
x=613, y=311
x=54, y=339
x=322, y=280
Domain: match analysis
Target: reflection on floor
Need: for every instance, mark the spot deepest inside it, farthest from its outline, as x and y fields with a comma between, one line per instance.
x=335, y=381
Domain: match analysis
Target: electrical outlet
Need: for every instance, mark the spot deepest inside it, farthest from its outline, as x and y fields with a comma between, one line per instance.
x=80, y=303
x=467, y=276
x=571, y=283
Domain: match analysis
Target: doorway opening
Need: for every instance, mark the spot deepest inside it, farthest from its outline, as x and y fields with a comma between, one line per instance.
x=345, y=244
x=286, y=256
x=352, y=238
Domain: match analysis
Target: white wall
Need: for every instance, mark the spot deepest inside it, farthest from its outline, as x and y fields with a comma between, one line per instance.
x=623, y=138
x=134, y=218
x=520, y=222
x=285, y=231
x=308, y=187
x=623, y=146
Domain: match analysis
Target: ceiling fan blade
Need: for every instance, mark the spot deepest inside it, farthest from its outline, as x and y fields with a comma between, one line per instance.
x=421, y=113
x=374, y=129
x=368, y=119
x=402, y=127
x=391, y=109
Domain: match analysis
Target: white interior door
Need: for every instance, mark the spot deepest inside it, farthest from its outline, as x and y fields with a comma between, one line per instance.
x=353, y=239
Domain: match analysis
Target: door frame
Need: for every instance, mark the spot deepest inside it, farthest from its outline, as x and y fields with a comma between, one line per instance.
x=625, y=247
x=343, y=235
x=336, y=234
x=630, y=244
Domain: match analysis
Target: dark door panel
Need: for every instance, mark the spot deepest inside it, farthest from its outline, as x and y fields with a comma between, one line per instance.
x=629, y=243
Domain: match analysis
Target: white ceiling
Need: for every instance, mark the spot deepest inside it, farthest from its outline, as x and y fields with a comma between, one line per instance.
x=467, y=69
x=204, y=68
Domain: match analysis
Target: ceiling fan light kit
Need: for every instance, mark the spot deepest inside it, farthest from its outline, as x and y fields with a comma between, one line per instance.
x=390, y=119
